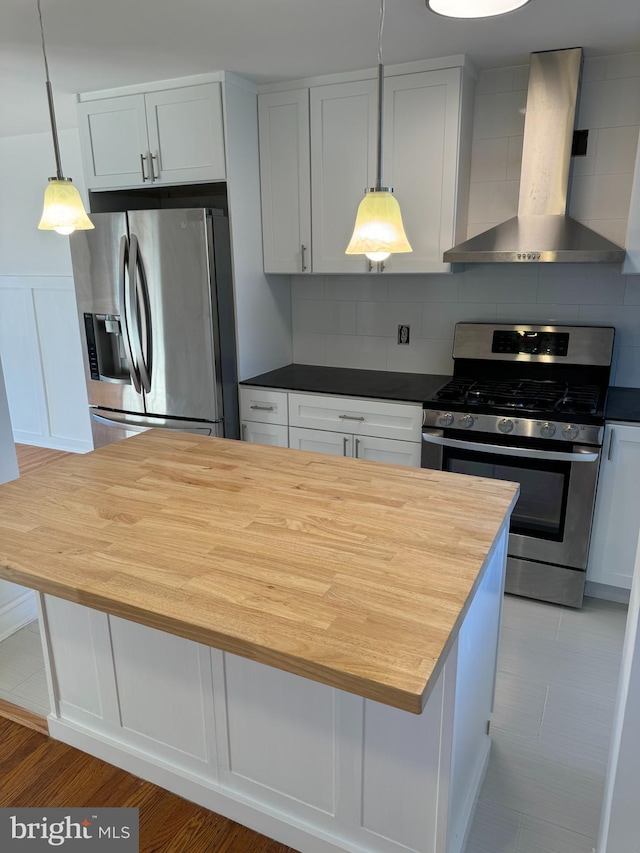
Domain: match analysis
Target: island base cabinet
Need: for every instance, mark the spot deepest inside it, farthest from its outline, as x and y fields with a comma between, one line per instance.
x=305, y=763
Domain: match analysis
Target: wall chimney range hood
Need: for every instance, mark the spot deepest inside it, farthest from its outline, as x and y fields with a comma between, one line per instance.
x=542, y=232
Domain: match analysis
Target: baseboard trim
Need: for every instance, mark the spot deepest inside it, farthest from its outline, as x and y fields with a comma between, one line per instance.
x=24, y=717
x=73, y=445
x=607, y=592
x=17, y=613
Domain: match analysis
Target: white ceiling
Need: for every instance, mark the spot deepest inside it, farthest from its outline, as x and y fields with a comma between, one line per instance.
x=98, y=44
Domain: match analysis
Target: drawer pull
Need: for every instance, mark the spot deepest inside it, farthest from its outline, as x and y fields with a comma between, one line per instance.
x=351, y=417
x=263, y=408
x=344, y=446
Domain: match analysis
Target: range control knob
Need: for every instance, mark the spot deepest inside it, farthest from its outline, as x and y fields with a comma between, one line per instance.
x=547, y=430
x=445, y=419
x=466, y=421
x=506, y=425
x=570, y=431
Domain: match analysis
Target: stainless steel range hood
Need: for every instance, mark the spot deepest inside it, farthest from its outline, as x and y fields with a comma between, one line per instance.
x=542, y=231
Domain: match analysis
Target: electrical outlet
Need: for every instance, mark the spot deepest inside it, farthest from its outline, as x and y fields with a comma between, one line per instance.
x=403, y=334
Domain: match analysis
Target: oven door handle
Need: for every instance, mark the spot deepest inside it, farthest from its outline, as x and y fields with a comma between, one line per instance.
x=504, y=450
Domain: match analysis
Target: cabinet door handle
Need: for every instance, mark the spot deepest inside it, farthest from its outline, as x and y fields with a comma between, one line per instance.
x=351, y=417
x=344, y=445
x=357, y=446
x=303, y=249
x=262, y=408
x=381, y=267
x=244, y=432
x=142, y=162
x=610, y=450
x=370, y=263
x=153, y=159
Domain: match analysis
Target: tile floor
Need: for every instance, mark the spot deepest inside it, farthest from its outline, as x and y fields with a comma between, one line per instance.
x=555, y=695
x=22, y=677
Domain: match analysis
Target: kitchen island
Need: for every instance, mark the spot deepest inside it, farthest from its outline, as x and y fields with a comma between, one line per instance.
x=304, y=643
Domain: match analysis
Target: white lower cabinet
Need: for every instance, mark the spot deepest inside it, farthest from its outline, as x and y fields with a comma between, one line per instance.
x=264, y=416
x=616, y=522
x=356, y=446
x=276, y=435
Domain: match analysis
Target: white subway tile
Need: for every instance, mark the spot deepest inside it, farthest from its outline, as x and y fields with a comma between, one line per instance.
x=492, y=80
x=625, y=318
x=520, y=77
x=499, y=115
x=609, y=103
x=383, y=318
x=309, y=349
x=489, y=159
x=514, y=158
x=438, y=321
x=425, y=288
x=594, y=68
x=499, y=283
x=632, y=290
x=356, y=287
x=613, y=229
x=311, y=316
x=307, y=287
x=517, y=312
x=616, y=150
x=627, y=369
x=493, y=201
x=623, y=65
x=600, y=196
x=420, y=356
x=581, y=284
x=474, y=228
x=357, y=351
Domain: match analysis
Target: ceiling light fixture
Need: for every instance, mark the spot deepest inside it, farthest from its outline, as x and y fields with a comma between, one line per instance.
x=63, y=209
x=379, y=231
x=474, y=8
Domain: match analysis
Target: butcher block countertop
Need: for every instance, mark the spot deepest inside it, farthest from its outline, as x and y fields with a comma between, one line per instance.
x=353, y=573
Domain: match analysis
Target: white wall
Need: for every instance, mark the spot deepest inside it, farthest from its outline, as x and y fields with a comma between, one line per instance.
x=39, y=335
x=351, y=321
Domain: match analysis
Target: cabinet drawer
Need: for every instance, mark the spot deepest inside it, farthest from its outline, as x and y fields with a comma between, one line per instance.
x=263, y=405
x=277, y=435
x=357, y=416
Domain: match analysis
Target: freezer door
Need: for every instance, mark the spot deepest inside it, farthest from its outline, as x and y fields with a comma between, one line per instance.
x=102, y=295
x=175, y=277
x=107, y=426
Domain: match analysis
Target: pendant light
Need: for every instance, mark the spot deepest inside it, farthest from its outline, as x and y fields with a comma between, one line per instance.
x=379, y=231
x=474, y=8
x=63, y=209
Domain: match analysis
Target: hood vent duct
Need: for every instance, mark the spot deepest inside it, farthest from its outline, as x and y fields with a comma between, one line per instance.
x=542, y=231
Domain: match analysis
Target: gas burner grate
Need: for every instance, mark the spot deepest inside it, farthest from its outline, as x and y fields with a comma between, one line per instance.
x=526, y=395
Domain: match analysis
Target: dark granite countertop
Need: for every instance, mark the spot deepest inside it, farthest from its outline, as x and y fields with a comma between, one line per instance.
x=623, y=404
x=381, y=384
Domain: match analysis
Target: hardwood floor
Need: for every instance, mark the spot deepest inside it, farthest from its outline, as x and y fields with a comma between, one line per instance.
x=39, y=772
x=30, y=458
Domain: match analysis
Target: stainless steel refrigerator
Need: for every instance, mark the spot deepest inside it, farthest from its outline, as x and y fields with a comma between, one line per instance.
x=155, y=299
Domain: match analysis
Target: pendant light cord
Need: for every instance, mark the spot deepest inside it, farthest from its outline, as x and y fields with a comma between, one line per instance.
x=52, y=114
x=380, y=98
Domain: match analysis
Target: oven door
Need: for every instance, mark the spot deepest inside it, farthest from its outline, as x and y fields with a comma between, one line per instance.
x=551, y=521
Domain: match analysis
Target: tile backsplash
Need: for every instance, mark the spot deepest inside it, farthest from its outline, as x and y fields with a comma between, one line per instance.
x=352, y=321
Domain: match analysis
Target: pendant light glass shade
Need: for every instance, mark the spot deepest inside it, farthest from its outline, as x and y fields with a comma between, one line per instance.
x=63, y=210
x=378, y=231
x=474, y=8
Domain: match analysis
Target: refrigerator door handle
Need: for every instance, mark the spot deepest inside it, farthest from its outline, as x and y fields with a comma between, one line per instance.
x=126, y=335
x=141, y=424
x=138, y=307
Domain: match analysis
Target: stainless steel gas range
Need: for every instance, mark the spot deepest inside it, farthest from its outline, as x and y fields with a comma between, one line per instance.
x=526, y=403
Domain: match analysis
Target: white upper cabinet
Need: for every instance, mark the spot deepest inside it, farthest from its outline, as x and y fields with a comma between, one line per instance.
x=343, y=165
x=286, y=184
x=174, y=136
x=426, y=154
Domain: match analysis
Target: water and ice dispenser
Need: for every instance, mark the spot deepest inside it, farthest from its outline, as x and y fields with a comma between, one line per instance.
x=105, y=347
